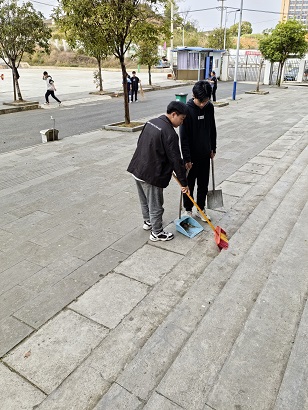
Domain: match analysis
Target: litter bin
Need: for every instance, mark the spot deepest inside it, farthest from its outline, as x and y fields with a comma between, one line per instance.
x=181, y=97
x=49, y=135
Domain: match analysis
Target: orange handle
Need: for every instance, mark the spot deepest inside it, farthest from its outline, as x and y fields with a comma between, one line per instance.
x=196, y=205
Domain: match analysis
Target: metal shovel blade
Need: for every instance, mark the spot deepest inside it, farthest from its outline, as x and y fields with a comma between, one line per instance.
x=214, y=199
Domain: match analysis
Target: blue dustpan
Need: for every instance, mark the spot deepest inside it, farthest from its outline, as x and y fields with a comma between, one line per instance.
x=188, y=226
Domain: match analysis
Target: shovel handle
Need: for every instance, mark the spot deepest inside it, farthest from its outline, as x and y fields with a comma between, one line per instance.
x=213, y=178
x=196, y=205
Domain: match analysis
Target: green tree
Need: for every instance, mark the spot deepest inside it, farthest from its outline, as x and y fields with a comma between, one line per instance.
x=216, y=39
x=154, y=31
x=120, y=22
x=246, y=28
x=83, y=30
x=284, y=40
x=22, y=30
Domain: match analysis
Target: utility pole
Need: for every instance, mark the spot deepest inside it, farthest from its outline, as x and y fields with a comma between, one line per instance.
x=171, y=30
x=222, y=12
x=237, y=51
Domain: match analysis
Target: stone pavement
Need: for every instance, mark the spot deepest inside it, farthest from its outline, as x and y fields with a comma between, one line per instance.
x=95, y=316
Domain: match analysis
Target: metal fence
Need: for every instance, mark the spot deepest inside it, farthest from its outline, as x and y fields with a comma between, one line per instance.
x=249, y=65
x=248, y=68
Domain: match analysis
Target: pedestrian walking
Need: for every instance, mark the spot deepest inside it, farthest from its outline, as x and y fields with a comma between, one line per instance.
x=50, y=88
x=157, y=155
x=198, y=141
x=134, y=87
x=213, y=81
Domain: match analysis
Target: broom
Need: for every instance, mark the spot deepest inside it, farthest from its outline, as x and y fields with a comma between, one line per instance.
x=220, y=235
x=141, y=91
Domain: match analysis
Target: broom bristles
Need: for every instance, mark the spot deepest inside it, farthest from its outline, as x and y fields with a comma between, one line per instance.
x=221, y=238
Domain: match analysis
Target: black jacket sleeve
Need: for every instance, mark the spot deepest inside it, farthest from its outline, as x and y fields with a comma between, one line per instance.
x=172, y=149
x=184, y=136
x=213, y=132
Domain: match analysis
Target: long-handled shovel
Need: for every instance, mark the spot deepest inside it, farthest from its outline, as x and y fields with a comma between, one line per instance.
x=220, y=235
x=214, y=197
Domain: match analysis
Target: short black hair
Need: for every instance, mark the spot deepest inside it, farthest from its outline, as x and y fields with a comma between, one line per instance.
x=213, y=72
x=202, y=90
x=178, y=107
x=133, y=72
x=45, y=73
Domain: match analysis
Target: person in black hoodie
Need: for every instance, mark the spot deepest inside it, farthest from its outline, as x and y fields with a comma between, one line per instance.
x=213, y=81
x=157, y=155
x=198, y=141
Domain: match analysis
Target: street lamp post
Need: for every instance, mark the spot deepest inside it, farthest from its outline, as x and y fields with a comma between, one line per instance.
x=226, y=18
x=171, y=30
x=237, y=51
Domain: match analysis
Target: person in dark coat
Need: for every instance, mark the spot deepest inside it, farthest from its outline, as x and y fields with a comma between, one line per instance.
x=213, y=81
x=134, y=87
x=198, y=140
x=157, y=155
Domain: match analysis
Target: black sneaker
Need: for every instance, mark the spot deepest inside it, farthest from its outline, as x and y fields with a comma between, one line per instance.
x=147, y=225
x=162, y=236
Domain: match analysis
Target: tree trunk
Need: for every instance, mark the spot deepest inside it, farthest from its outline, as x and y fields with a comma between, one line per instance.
x=125, y=93
x=150, y=75
x=278, y=81
x=259, y=75
x=100, y=77
x=16, y=83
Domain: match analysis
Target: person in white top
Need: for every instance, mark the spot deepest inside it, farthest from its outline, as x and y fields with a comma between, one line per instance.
x=50, y=88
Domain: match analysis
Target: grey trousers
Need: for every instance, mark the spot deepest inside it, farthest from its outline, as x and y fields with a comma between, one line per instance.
x=151, y=201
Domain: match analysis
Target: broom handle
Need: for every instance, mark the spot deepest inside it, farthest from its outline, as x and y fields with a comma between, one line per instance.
x=196, y=205
x=213, y=179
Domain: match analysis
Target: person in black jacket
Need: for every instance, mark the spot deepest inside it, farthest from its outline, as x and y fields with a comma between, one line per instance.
x=198, y=141
x=135, y=85
x=213, y=81
x=157, y=155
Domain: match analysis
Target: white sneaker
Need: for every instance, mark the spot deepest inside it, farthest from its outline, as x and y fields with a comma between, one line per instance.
x=198, y=214
x=46, y=103
x=162, y=236
x=147, y=225
x=188, y=213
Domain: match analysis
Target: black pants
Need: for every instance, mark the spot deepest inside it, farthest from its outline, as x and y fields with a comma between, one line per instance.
x=200, y=171
x=214, y=93
x=134, y=93
x=52, y=93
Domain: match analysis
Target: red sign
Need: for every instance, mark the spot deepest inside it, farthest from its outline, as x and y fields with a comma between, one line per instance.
x=252, y=53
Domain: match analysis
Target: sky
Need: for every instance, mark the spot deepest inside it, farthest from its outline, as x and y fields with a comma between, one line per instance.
x=209, y=19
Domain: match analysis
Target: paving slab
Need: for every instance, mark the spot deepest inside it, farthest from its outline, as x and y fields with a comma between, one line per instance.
x=148, y=264
x=52, y=273
x=118, y=398
x=110, y=300
x=48, y=303
x=16, y=393
x=12, y=331
x=17, y=274
x=235, y=188
x=157, y=401
x=244, y=177
x=81, y=390
x=13, y=300
x=52, y=353
x=98, y=267
x=255, y=168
